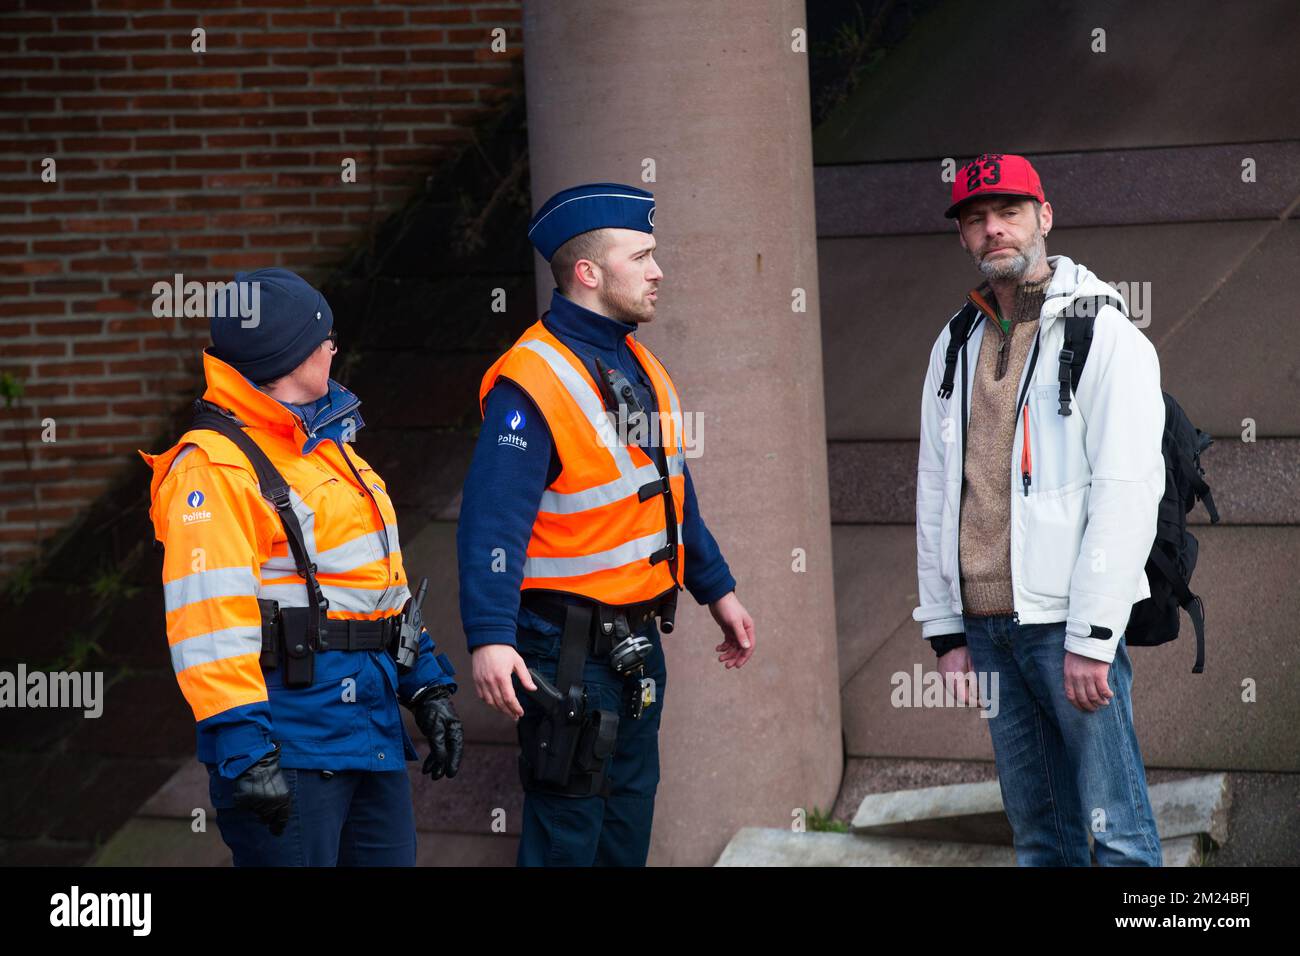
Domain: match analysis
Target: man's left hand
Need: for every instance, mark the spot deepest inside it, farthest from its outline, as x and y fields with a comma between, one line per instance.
x=737, y=630
x=438, y=721
x=1085, y=682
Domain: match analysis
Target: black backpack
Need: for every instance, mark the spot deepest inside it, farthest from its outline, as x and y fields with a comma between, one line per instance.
x=1169, y=567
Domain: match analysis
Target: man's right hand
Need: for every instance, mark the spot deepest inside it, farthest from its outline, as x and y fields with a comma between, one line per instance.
x=494, y=665
x=957, y=663
x=263, y=790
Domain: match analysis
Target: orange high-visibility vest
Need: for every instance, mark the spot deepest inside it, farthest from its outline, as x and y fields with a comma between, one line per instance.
x=225, y=545
x=602, y=528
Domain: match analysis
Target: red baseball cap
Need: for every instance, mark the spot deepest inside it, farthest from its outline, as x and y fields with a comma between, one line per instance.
x=995, y=174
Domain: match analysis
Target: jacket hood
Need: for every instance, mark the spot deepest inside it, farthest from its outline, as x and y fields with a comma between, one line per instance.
x=1071, y=280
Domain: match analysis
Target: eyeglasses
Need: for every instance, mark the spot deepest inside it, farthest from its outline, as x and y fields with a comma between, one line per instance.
x=333, y=338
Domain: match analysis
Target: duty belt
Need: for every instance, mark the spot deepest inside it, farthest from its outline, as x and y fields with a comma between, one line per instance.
x=350, y=635
x=552, y=607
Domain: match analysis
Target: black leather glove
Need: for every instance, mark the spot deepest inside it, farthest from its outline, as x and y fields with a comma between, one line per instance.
x=437, y=719
x=263, y=790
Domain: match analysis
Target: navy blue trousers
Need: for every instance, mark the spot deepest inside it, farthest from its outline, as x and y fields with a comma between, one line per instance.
x=352, y=818
x=595, y=831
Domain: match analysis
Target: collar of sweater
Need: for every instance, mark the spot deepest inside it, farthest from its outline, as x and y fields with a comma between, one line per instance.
x=567, y=319
x=1026, y=306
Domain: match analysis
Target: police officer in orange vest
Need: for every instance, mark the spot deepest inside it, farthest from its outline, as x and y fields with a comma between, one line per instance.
x=290, y=623
x=578, y=527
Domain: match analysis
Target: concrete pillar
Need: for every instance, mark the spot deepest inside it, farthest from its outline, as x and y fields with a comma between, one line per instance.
x=715, y=96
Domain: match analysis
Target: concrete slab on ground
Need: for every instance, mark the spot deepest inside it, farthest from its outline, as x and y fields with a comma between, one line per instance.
x=973, y=812
x=756, y=846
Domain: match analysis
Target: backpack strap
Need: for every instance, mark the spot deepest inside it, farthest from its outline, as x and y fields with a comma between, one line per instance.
x=1189, y=602
x=1207, y=499
x=959, y=329
x=275, y=490
x=1191, y=467
x=1202, y=490
x=1079, y=318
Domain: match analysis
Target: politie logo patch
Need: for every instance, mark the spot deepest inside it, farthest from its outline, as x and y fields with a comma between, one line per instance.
x=514, y=421
x=195, y=501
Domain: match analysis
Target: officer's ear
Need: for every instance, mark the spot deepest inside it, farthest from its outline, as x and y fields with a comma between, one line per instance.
x=587, y=273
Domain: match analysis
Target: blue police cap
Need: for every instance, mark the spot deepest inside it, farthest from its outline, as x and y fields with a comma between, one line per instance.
x=593, y=206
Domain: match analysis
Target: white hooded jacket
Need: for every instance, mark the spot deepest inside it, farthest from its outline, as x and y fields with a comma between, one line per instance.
x=1081, y=535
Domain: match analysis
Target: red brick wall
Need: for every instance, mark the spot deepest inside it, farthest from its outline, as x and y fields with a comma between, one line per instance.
x=199, y=163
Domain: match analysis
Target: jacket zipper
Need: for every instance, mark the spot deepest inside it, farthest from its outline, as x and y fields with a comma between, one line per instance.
x=334, y=416
x=1026, y=464
x=365, y=490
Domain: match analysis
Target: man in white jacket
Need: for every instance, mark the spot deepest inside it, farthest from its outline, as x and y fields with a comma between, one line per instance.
x=1033, y=527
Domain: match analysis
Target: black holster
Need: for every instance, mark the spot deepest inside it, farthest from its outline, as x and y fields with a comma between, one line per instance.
x=566, y=750
x=270, y=611
x=568, y=757
x=299, y=658
x=285, y=643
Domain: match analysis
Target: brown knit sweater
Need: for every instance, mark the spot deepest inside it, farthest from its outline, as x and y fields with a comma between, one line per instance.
x=984, y=540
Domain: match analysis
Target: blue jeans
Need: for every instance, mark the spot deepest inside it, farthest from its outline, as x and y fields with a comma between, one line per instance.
x=595, y=831
x=352, y=818
x=1063, y=771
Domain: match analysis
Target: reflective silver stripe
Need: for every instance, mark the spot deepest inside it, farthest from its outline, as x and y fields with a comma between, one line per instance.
x=307, y=519
x=676, y=456
x=630, y=478
x=189, y=447
x=352, y=554
x=203, y=585
x=621, y=487
x=626, y=553
x=345, y=557
x=216, y=646
x=361, y=600
x=674, y=410
x=588, y=402
x=394, y=598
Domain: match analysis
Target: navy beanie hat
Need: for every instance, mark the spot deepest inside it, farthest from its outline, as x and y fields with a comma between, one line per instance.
x=268, y=322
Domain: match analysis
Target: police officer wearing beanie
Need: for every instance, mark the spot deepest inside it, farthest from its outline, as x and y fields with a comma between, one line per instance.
x=302, y=737
x=578, y=527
